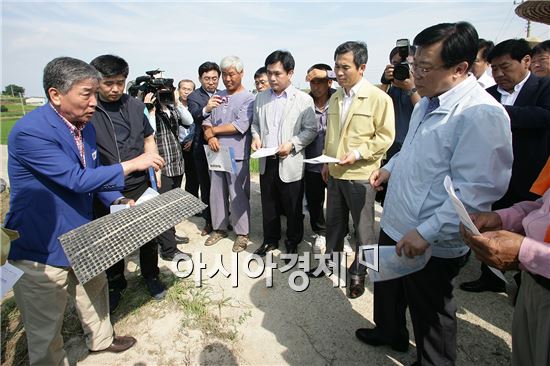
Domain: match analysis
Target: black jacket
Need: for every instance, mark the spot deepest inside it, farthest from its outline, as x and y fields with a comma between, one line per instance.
x=530, y=123
x=110, y=152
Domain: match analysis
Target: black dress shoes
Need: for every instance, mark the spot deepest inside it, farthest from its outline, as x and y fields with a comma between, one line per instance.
x=356, y=287
x=291, y=250
x=264, y=248
x=374, y=338
x=120, y=344
x=481, y=285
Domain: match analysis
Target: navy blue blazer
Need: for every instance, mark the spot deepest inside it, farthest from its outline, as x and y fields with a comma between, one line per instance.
x=196, y=101
x=530, y=123
x=51, y=190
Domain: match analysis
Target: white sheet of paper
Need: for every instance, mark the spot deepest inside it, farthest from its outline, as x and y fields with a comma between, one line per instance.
x=8, y=277
x=147, y=195
x=264, y=151
x=116, y=208
x=391, y=266
x=321, y=159
x=221, y=160
x=465, y=218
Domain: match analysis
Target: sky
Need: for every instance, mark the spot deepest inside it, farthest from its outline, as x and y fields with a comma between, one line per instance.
x=177, y=36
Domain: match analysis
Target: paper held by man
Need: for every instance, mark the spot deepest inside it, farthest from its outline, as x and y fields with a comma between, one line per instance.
x=322, y=159
x=465, y=218
x=222, y=160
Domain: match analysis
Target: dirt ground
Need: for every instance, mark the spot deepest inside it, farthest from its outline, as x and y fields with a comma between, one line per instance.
x=253, y=324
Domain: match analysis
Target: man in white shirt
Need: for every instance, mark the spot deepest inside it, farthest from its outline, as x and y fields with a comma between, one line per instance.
x=526, y=98
x=481, y=67
x=456, y=130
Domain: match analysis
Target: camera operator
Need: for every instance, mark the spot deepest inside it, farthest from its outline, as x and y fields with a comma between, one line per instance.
x=401, y=88
x=160, y=102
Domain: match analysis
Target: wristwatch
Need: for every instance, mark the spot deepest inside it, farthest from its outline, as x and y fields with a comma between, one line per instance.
x=411, y=92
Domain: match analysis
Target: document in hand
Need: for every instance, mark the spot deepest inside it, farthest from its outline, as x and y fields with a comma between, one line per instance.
x=391, y=266
x=8, y=277
x=465, y=218
x=322, y=159
x=146, y=196
x=264, y=151
x=222, y=160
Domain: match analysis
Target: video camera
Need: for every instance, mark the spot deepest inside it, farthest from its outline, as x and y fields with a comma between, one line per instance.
x=402, y=70
x=163, y=88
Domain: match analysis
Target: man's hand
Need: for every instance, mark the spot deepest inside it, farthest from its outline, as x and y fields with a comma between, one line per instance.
x=487, y=221
x=348, y=159
x=407, y=84
x=214, y=144
x=284, y=149
x=388, y=73
x=208, y=132
x=378, y=177
x=143, y=162
x=316, y=74
x=256, y=143
x=499, y=249
x=412, y=244
x=187, y=145
x=158, y=175
x=213, y=102
x=125, y=201
x=149, y=98
x=325, y=173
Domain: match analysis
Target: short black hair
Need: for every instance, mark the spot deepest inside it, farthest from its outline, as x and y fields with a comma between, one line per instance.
x=517, y=49
x=541, y=47
x=209, y=66
x=110, y=65
x=459, y=42
x=359, y=50
x=262, y=70
x=284, y=57
x=395, y=50
x=320, y=67
x=485, y=47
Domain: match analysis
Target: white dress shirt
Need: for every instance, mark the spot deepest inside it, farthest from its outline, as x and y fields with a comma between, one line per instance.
x=510, y=98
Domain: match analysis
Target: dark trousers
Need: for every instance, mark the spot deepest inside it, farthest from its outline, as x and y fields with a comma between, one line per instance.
x=289, y=196
x=429, y=295
x=148, y=254
x=191, y=177
x=167, y=240
x=203, y=174
x=390, y=303
x=315, y=198
x=345, y=197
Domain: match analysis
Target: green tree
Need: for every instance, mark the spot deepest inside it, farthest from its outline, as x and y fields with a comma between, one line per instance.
x=14, y=90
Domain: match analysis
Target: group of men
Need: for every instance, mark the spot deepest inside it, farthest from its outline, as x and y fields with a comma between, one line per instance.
x=437, y=122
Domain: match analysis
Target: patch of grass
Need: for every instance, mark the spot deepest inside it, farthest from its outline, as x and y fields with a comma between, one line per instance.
x=6, y=124
x=204, y=313
x=14, y=341
x=254, y=165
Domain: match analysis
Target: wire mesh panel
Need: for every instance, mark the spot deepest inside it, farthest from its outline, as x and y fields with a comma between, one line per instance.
x=94, y=247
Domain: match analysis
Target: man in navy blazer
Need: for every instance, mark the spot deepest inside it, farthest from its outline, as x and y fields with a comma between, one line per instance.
x=200, y=104
x=526, y=98
x=54, y=171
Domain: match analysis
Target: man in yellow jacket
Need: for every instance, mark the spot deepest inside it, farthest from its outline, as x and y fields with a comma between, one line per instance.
x=360, y=128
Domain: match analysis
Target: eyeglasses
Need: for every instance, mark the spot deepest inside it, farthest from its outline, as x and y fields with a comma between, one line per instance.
x=210, y=79
x=424, y=70
x=261, y=82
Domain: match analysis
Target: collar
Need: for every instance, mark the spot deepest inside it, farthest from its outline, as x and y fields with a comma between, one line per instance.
x=452, y=96
x=517, y=87
x=289, y=91
x=73, y=127
x=354, y=90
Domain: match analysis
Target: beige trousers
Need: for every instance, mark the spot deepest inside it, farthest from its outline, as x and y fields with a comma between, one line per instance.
x=531, y=325
x=41, y=296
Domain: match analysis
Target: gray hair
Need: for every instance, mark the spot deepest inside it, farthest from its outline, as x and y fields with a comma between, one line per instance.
x=63, y=73
x=231, y=61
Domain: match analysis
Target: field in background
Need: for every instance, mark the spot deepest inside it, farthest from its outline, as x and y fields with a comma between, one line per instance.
x=9, y=117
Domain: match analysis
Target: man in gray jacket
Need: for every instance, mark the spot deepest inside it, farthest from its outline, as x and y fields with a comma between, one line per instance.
x=284, y=118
